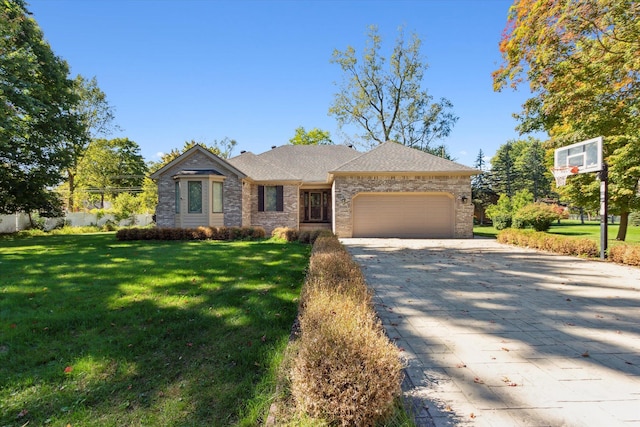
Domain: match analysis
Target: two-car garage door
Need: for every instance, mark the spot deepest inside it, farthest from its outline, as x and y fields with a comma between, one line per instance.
x=403, y=215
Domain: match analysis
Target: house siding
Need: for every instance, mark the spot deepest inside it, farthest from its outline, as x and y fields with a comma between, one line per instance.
x=166, y=208
x=232, y=201
x=271, y=220
x=346, y=187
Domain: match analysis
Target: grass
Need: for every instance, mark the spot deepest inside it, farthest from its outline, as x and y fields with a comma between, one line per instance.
x=590, y=229
x=99, y=332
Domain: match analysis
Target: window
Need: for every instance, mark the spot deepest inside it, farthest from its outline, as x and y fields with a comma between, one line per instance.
x=195, y=196
x=216, y=196
x=177, y=197
x=270, y=198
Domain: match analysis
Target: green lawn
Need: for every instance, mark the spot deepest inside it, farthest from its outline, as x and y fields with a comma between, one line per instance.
x=94, y=331
x=590, y=229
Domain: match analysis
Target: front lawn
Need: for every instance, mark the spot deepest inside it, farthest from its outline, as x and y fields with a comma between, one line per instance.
x=94, y=331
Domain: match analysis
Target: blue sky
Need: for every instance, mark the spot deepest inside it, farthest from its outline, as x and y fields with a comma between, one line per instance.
x=254, y=71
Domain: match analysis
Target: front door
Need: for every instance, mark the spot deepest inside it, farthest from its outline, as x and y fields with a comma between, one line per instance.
x=315, y=206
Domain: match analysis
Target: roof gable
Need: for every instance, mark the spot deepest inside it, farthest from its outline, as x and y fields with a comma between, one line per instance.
x=197, y=149
x=394, y=157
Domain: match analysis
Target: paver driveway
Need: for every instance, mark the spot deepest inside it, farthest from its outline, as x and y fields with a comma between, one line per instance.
x=505, y=336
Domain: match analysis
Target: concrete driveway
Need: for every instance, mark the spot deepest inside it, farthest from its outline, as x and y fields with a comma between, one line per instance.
x=496, y=335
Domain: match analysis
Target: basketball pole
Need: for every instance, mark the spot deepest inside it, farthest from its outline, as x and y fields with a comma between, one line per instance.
x=604, y=214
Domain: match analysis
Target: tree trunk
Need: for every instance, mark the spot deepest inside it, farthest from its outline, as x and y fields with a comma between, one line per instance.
x=622, y=231
x=72, y=188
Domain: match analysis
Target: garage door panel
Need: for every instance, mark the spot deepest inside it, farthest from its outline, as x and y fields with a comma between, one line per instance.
x=408, y=216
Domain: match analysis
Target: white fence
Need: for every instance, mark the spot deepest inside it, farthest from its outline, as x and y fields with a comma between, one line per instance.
x=20, y=221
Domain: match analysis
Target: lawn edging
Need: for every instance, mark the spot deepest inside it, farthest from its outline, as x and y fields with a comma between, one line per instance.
x=342, y=368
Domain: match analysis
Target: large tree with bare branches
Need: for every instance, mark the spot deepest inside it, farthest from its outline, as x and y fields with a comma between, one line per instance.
x=387, y=100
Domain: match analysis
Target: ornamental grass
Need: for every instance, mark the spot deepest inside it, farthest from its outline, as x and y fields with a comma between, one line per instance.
x=346, y=370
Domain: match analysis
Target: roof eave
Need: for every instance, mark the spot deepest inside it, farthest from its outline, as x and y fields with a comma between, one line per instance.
x=407, y=173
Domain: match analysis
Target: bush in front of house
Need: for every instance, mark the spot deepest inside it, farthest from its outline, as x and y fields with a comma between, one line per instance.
x=549, y=242
x=346, y=371
x=199, y=233
x=293, y=235
x=285, y=233
x=538, y=216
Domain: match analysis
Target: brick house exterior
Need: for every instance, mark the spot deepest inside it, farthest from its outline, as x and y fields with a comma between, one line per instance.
x=390, y=191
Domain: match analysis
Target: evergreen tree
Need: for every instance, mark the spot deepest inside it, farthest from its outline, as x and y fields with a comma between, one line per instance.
x=481, y=192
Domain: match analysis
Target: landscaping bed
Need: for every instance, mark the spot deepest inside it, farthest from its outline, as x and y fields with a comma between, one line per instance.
x=341, y=369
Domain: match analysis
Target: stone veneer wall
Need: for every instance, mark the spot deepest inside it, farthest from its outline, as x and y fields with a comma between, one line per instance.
x=271, y=220
x=346, y=187
x=232, y=200
x=246, y=203
x=232, y=191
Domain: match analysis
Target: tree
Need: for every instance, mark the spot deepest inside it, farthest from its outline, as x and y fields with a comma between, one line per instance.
x=503, y=171
x=39, y=121
x=581, y=60
x=314, y=137
x=149, y=196
x=481, y=192
x=520, y=165
x=532, y=170
x=390, y=104
x=109, y=167
x=98, y=117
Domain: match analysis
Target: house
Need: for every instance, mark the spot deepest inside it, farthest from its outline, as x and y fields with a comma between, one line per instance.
x=390, y=191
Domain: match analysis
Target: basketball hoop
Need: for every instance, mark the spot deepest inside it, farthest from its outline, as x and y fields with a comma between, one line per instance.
x=561, y=174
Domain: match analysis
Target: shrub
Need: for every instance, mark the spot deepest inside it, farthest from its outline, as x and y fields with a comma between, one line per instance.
x=501, y=221
x=285, y=233
x=625, y=254
x=518, y=222
x=346, y=371
x=304, y=237
x=540, y=216
x=548, y=242
x=258, y=233
x=199, y=233
x=313, y=235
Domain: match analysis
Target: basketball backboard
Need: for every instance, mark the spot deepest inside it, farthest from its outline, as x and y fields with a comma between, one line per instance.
x=585, y=155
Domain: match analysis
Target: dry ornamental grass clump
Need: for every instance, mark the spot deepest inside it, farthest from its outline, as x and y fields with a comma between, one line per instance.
x=346, y=370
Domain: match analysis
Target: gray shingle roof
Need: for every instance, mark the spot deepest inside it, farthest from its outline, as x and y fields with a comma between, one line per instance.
x=308, y=163
x=259, y=169
x=394, y=157
x=313, y=163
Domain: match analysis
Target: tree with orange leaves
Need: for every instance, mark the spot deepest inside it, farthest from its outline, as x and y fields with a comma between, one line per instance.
x=582, y=61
